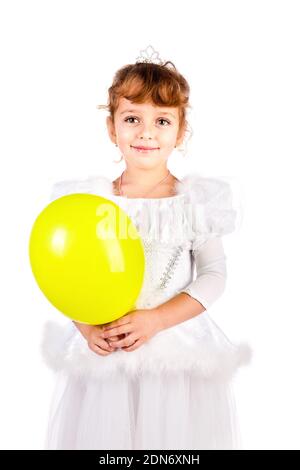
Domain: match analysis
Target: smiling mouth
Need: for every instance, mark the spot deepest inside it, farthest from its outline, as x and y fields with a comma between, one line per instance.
x=145, y=149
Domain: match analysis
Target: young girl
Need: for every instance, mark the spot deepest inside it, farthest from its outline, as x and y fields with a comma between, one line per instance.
x=160, y=377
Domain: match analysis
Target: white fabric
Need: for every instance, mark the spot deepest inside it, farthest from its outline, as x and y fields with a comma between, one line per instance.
x=180, y=411
x=210, y=262
x=174, y=391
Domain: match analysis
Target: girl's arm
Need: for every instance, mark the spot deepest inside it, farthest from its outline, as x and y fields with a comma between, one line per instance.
x=209, y=285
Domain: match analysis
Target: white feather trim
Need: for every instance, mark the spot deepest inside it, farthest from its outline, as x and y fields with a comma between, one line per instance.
x=170, y=351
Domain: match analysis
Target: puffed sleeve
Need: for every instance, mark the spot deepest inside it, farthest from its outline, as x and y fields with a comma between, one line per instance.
x=214, y=213
x=93, y=184
x=214, y=216
x=62, y=188
x=59, y=189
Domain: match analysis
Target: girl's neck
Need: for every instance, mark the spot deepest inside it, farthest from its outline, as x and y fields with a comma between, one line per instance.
x=135, y=184
x=144, y=177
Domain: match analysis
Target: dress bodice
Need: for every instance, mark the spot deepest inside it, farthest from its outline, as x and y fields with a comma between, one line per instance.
x=171, y=228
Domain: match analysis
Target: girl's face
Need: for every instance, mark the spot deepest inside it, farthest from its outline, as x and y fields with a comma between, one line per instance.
x=143, y=124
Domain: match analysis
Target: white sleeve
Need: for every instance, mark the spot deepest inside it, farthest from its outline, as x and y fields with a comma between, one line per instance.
x=210, y=262
x=94, y=184
x=214, y=216
x=64, y=187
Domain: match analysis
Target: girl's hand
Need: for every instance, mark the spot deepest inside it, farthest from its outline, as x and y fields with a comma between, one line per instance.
x=92, y=333
x=138, y=326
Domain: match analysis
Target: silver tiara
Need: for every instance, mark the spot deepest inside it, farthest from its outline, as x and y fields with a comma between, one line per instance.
x=149, y=55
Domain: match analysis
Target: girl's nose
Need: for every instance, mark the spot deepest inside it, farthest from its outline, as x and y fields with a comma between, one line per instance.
x=146, y=135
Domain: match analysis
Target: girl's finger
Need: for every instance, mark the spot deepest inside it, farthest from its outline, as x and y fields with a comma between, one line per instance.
x=127, y=341
x=121, y=321
x=133, y=346
x=118, y=330
x=114, y=338
x=96, y=349
x=104, y=345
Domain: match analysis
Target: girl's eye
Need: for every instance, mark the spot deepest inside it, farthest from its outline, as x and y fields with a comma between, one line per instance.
x=161, y=119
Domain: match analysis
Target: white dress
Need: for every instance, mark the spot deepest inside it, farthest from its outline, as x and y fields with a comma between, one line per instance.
x=175, y=391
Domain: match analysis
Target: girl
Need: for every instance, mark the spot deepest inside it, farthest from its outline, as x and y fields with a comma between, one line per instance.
x=160, y=377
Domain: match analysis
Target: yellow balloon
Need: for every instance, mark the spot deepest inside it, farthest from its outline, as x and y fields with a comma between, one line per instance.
x=87, y=258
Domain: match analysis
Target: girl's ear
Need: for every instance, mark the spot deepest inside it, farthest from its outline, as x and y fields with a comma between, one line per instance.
x=180, y=137
x=110, y=128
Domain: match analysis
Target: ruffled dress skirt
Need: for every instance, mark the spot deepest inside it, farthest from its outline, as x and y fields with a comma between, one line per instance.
x=173, y=392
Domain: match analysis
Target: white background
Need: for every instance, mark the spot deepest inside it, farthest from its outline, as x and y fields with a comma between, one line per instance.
x=241, y=59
